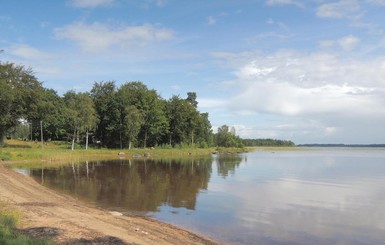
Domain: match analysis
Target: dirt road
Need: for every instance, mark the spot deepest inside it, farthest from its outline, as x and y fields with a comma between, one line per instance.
x=66, y=220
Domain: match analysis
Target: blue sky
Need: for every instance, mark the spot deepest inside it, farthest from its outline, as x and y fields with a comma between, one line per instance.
x=308, y=71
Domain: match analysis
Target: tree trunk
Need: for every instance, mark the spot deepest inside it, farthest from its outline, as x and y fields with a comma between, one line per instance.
x=145, y=139
x=73, y=140
x=41, y=134
x=129, y=145
x=192, y=138
x=87, y=139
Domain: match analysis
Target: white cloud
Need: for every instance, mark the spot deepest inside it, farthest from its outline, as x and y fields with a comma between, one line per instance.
x=341, y=9
x=99, y=37
x=161, y=3
x=347, y=43
x=322, y=94
x=148, y=3
x=90, y=3
x=284, y=2
x=27, y=52
x=211, y=20
x=376, y=2
x=323, y=81
x=211, y=103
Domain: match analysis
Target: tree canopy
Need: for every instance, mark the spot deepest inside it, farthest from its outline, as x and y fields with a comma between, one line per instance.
x=20, y=93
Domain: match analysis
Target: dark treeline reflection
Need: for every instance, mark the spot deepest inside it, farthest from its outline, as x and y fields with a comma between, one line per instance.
x=226, y=164
x=132, y=185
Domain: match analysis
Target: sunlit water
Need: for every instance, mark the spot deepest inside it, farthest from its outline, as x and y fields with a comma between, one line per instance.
x=318, y=196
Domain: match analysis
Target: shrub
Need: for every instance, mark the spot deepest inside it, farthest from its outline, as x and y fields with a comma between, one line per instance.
x=5, y=156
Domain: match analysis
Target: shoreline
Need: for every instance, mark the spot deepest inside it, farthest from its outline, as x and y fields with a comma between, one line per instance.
x=49, y=214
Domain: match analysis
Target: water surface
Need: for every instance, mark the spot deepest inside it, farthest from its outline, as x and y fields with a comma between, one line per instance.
x=318, y=196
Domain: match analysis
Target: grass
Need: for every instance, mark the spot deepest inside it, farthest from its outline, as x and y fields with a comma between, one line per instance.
x=9, y=234
x=30, y=153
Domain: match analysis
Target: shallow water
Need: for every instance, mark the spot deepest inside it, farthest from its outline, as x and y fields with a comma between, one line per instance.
x=317, y=196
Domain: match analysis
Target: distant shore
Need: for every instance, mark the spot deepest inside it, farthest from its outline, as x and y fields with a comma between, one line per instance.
x=342, y=145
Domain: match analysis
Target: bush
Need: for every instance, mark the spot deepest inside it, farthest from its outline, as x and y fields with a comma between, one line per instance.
x=203, y=144
x=165, y=146
x=5, y=156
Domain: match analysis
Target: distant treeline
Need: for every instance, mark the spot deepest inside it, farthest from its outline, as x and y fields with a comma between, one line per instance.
x=267, y=142
x=342, y=145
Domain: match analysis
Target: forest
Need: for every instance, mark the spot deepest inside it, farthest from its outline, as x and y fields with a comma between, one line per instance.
x=131, y=115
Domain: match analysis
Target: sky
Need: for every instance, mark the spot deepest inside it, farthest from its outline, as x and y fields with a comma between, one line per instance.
x=308, y=71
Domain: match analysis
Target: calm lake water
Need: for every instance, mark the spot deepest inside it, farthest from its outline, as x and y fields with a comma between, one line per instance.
x=317, y=196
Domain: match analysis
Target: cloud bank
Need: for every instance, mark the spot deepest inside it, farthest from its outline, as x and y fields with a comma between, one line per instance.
x=320, y=92
x=99, y=37
x=90, y=3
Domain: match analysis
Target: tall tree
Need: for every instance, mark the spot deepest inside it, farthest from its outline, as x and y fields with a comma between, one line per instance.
x=53, y=112
x=132, y=121
x=183, y=120
x=204, y=134
x=87, y=114
x=150, y=105
x=226, y=139
x=82, y=113
x=20, y=92
x=104, y=95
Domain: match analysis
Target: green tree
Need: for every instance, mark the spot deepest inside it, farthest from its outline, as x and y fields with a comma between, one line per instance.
x=183, y=119
x=52, y=111
x=82, y=114
x=20, y=93
x=104, y=95
x=204, y=134
x=226, y=139
x=151, y=107
x=132, y=121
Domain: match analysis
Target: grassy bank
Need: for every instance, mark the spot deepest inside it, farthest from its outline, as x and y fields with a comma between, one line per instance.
x=9, y=234
x=59, y=152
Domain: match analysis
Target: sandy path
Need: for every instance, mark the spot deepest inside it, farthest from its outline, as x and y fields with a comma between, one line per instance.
x=68, y=221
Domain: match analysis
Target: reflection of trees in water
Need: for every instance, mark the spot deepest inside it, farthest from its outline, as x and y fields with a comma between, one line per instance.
x=132, y=185
x=227, y=164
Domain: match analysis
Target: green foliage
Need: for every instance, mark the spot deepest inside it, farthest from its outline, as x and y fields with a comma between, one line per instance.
x=131, y=122
x=224, y=138
x=82, y=113
x=5, y=156
x=150, y=105
x=104, y=95
x=53, y=113
x=187, y=125
x=192, y=99
x=19, y=95
x=134, y=114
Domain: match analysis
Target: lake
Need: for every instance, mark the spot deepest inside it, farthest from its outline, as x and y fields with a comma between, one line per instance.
x=309, y=196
